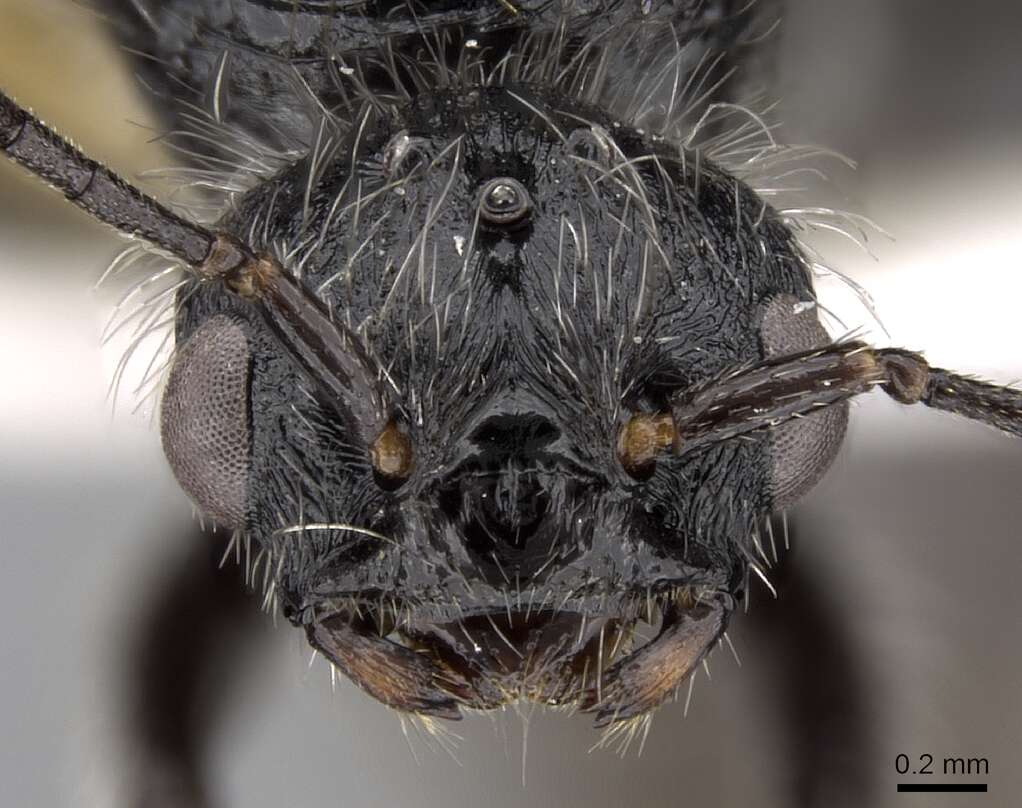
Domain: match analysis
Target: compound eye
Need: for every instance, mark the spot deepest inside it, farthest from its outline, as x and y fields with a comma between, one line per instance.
x=800, y=450
x=204, y=420
x=504, y=201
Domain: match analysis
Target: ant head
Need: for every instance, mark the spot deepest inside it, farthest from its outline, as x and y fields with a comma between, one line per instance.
x=526, y=275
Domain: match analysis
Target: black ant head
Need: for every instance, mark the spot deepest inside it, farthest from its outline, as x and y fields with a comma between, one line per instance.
x=525, y=275
x=433, y=369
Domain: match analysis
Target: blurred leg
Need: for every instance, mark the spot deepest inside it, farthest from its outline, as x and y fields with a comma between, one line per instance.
x=821, y=685
x=183, y=659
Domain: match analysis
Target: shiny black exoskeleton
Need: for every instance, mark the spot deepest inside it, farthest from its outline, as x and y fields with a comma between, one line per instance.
x=506, y=214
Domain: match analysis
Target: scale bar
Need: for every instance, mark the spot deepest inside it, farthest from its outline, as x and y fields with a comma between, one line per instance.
x=931, y=787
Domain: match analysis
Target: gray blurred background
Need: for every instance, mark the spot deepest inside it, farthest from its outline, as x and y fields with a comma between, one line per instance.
x=913, y=539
